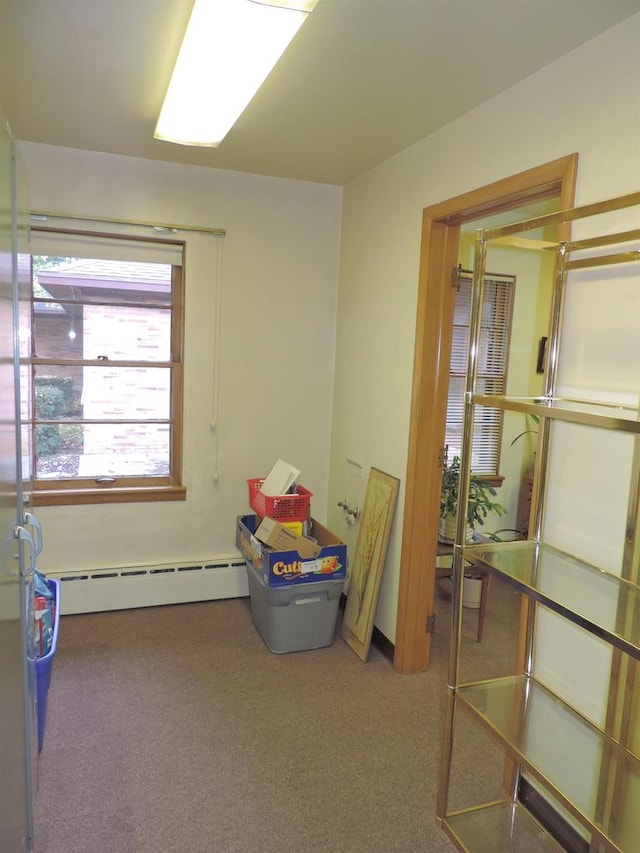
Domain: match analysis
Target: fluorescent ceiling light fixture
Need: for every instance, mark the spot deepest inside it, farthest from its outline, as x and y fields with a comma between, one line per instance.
x=228, y=50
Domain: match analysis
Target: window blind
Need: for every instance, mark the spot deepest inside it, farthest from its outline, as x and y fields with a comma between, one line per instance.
x=110, y=247
x=493, y=354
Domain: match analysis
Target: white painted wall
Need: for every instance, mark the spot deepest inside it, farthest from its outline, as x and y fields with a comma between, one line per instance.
x=279, y=300
x=279, y=281
x=587, y=102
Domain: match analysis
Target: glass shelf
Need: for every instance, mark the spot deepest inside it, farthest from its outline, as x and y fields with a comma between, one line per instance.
x=497, y=828
x=602, y=603
x=557, y=745
x=603, y=415
x=587, y=781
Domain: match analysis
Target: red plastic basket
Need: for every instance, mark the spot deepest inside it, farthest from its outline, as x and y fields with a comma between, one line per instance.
x=280, y=507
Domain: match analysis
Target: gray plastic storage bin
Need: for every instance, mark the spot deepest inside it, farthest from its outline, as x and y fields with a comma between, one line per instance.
x=294, y=618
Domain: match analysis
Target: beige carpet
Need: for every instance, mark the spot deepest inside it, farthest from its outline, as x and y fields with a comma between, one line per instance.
x=175, y=730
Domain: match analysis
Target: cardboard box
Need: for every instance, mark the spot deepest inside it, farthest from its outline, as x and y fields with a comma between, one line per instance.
x=282, y=538
x=282, y=568
x=296, y=526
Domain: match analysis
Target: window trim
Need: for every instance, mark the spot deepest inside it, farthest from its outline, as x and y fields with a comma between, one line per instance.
x=138, y=494
x=124, y=489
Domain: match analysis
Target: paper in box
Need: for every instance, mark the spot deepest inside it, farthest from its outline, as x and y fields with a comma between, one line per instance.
x=282, y=538
x=280, y=479
x=286, y=567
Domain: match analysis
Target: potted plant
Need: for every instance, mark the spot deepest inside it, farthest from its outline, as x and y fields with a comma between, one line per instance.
x=536, y=420
x=479, y=506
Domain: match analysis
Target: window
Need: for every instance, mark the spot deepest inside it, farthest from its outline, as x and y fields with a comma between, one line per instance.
x=106, y=369
x=493, y=354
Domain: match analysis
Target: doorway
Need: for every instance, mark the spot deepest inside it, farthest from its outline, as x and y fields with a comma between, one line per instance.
x=436, y=298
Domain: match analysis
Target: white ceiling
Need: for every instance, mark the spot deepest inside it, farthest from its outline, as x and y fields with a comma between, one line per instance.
x=362, y=80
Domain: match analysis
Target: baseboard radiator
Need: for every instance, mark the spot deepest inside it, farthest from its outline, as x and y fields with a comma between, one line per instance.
x=96, y=590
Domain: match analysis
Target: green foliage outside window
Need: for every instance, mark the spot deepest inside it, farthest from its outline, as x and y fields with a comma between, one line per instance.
x=56, y=398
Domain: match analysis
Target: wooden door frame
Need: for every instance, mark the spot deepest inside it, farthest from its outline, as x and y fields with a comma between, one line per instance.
x=436, y=298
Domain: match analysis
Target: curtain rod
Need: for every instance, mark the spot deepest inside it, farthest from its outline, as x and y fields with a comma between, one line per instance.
x=160, y=227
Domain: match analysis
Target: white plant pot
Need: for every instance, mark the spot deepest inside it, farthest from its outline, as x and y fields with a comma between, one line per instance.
x=471, y=592
x=448, y=527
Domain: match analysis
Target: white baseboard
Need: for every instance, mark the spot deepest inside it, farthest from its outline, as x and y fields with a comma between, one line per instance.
x=147, y=586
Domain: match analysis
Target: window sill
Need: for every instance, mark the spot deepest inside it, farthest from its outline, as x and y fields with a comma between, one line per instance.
x=67, y=497
x=495, y=480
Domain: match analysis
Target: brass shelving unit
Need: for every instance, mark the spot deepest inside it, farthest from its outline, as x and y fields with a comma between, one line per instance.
x=603, y=603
